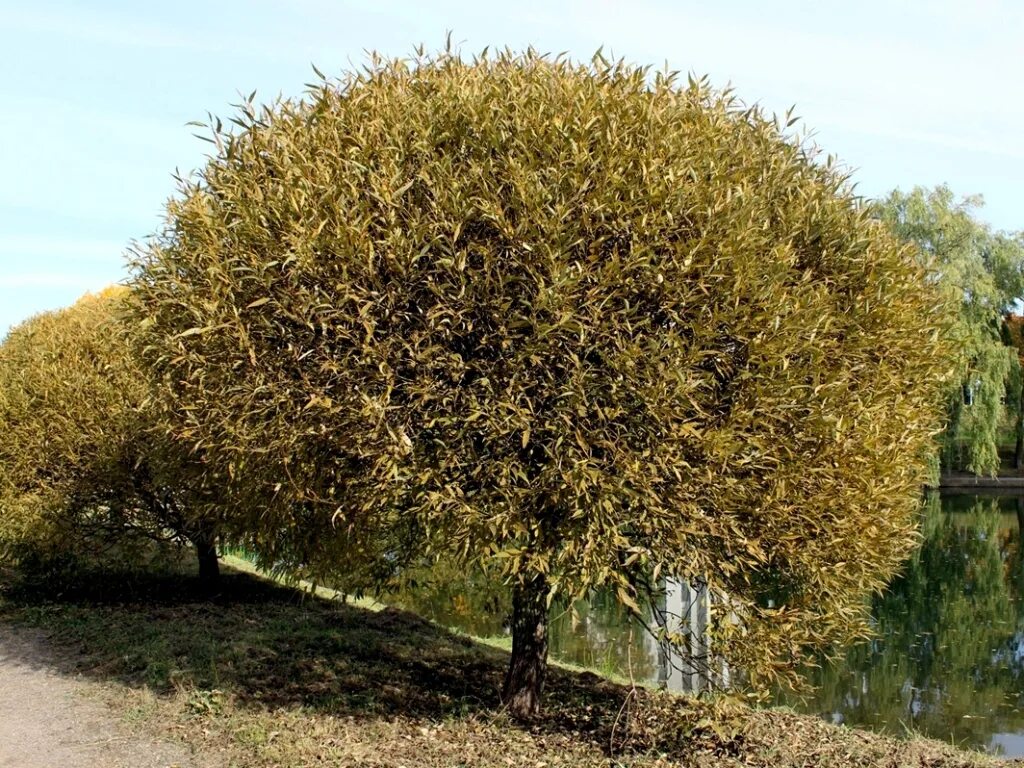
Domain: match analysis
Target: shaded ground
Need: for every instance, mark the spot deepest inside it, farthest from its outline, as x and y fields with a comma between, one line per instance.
x=261, y=676
x=48, y=719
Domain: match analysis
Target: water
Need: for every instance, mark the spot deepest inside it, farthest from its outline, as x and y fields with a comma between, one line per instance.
x=597, y=633
x=947, y=660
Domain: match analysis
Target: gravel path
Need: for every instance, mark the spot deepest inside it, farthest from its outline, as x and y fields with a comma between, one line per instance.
x=49, y=720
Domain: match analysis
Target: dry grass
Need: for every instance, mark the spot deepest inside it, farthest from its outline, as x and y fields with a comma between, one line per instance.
x=264, y=676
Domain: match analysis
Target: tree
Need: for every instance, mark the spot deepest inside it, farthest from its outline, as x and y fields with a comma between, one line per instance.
x=586, y=323
x=1013, y=335
x=80, y=471
x=986, y=269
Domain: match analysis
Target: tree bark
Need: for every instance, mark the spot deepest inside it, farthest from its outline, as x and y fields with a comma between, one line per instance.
x=1018, y=450
x=209, y=565
x=527, y=669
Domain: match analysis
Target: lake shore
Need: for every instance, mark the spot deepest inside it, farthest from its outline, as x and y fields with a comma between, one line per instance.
x=267, y=676
x=1004, y=484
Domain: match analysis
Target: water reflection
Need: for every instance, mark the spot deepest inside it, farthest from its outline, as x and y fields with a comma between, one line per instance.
x=596, y=633
x=947, y=659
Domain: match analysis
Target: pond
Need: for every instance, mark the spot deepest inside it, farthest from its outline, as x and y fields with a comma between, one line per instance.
x=947, y=660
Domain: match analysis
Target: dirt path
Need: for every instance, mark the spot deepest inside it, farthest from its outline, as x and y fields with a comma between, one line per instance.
x=49, y=720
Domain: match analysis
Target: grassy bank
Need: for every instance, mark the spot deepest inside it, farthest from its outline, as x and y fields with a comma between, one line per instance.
x=266, y=676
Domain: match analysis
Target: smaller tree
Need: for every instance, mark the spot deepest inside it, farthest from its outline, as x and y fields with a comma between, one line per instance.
x=80, y=469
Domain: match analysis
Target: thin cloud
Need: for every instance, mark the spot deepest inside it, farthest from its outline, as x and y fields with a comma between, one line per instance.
x=216, y=40
x=52, y=280
x=92, y=27
x=14, y=248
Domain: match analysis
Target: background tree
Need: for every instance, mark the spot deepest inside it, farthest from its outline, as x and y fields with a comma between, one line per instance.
x=985, y=269
x=1013, y=335
x=80, y=472
x=586, y=323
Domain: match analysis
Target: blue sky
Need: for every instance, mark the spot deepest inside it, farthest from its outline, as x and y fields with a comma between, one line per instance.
x=96, y=96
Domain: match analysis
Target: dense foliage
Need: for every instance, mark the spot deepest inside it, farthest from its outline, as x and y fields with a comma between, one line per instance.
x=986, y=270
x=584, y=322
x=80, y=472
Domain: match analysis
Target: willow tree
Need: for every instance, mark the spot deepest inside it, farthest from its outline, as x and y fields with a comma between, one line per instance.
x=80, y=470
x=587, y=323
x=986, y=271
x=1013, y=335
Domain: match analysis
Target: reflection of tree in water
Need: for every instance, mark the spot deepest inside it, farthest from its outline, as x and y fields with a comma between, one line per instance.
x=946, y=660
x=600, y=635
x=472, y=601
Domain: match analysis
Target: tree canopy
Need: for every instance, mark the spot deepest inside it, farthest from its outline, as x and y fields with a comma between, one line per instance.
x=586, y=322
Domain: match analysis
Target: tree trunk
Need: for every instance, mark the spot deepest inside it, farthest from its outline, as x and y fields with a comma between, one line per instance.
x=524, y=682
x=1018, y=450
x=209, y=565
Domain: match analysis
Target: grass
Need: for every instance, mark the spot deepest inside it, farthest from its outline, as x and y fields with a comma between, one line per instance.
x=265, y=675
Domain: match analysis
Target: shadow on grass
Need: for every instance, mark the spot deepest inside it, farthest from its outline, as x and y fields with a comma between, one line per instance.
x=270, y=646
x=305, y=665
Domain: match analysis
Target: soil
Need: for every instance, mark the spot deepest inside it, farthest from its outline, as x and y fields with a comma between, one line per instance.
x=48, y=719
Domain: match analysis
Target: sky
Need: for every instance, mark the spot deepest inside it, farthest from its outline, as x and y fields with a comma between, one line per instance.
x=96, y=96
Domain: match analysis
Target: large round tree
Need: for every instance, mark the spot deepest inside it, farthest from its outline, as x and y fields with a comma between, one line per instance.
x=585, y=321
